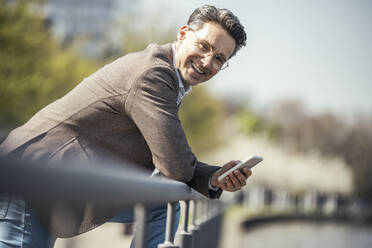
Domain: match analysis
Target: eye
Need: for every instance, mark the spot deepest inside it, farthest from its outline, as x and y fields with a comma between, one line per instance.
x=220, y=59
x=204, y=47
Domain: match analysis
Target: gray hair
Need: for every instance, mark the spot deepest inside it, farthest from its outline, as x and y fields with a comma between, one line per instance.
x=223, y=17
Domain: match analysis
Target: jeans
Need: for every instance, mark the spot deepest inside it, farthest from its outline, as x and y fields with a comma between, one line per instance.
x=20, y=228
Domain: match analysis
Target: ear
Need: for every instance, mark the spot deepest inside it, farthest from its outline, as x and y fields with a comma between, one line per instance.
x=182, y=32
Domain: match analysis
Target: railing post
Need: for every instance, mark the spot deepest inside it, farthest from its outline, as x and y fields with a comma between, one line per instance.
x=200, y=236
x=171, y=215
x=184, y=238
x=186, y=216
x=194, y=228
x=140, y=212
x=209, y=228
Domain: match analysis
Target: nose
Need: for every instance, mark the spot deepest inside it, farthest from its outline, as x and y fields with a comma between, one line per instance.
x=207, y=61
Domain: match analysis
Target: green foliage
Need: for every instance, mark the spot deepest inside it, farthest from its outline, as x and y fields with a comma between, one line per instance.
x=202, y=116
x=34, y=70
x=249, y=122
x=253, y=124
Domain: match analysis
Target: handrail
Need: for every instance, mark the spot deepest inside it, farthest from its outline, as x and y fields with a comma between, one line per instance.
x=82, y=182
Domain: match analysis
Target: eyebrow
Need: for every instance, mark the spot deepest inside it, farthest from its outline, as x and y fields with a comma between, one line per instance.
x=214, y=49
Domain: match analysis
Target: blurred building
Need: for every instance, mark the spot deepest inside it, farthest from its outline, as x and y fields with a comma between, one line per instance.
x=90, y=20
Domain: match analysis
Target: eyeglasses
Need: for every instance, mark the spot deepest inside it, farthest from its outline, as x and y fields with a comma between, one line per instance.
x=219, y=62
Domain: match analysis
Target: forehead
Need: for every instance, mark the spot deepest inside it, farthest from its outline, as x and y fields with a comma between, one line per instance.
x=221, y=41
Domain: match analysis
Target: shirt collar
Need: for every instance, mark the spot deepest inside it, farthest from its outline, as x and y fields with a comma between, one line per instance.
x=182, y=89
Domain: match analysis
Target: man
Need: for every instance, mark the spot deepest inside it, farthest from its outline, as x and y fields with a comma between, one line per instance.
x=129, y=110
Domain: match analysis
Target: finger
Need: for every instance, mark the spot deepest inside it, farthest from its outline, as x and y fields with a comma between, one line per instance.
x=242, y=178
x=247, y=172
x=229, y=184
x=229, y=165
x=235, y=182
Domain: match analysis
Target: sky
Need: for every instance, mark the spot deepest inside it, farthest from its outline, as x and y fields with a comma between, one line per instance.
x=315, y=51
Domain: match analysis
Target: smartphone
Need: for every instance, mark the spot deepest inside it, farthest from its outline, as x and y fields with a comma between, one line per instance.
x=250, y=162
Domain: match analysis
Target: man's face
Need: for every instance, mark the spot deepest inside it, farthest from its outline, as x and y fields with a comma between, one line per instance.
x=195, y=63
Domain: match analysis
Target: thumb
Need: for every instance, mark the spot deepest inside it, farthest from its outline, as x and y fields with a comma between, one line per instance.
x=228, y=166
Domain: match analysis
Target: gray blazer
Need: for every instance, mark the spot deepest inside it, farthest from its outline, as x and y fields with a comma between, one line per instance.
x=127, y=109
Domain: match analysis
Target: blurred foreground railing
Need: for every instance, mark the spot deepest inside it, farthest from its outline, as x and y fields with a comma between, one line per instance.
x=128, y=186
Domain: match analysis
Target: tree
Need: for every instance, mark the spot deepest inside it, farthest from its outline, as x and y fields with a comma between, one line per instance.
x=332, y=137
x=202, y=117
x=34, y=69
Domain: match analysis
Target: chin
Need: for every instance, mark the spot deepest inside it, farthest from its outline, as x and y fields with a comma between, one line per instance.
x=189, y=80
x=192, y=82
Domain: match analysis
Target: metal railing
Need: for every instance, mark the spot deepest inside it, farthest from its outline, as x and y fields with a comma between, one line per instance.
x=79, y=182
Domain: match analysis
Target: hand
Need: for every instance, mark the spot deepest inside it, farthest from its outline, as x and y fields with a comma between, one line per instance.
x=234, y=181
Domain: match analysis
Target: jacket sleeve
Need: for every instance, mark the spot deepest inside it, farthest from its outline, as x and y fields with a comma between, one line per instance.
x=151, y=104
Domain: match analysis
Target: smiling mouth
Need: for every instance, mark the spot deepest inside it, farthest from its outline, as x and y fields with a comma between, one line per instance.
x=197, y=68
